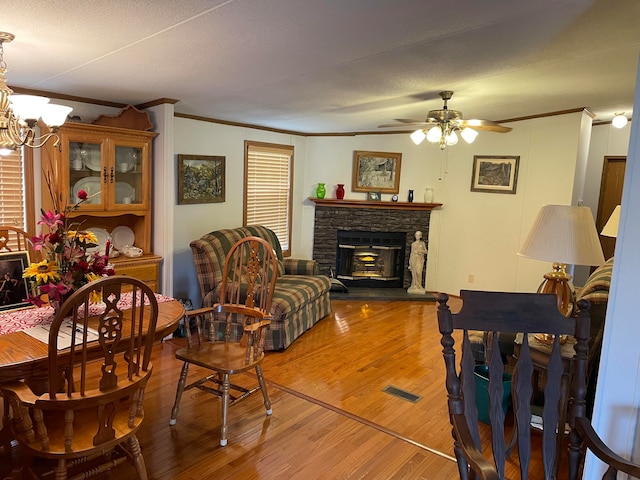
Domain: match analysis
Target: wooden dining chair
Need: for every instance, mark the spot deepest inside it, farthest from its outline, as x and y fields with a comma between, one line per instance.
x=485, y=452
x=99, y=365
x=13, y=239
x=228, y=338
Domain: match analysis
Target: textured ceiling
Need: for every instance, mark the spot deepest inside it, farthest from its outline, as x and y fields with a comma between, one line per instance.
x=320, y=66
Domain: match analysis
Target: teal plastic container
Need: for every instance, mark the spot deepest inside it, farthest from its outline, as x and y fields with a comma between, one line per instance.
x=481, y=375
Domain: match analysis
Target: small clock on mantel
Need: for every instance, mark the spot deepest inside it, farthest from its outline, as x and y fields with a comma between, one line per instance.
x=394, y=198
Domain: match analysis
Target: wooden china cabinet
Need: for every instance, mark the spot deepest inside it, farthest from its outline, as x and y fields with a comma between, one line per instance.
x=113, y=165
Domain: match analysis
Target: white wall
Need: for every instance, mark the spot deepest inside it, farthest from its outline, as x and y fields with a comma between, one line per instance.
x=192, y=137
x=473, y=233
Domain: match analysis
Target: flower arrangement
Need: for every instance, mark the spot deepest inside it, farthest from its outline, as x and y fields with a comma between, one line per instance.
x=66, y=264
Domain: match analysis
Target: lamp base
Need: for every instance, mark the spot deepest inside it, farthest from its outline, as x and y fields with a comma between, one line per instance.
x=559, y=283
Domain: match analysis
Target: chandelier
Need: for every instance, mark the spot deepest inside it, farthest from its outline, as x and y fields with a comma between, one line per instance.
x=19, y=114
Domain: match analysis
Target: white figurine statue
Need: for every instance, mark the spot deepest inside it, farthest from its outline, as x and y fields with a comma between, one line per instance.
x=416, y=264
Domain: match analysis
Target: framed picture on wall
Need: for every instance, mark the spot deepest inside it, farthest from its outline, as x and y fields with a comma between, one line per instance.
x=495, y=174
x=376, y=172
x=201, y=179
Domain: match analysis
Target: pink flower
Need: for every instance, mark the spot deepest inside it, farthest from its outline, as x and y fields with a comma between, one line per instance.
x=82, y=194
x=51, y=219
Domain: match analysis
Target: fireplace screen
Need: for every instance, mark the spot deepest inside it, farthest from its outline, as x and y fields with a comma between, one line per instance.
x=370, y=259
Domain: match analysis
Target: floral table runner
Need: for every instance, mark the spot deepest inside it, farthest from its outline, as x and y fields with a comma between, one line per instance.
x=19, y=320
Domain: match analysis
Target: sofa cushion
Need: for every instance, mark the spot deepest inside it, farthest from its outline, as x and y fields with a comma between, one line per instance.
x=293, y=291
x=596, y=289
x=209, y=253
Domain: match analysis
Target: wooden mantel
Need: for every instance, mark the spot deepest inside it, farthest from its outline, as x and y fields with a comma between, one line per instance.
x=346, y=203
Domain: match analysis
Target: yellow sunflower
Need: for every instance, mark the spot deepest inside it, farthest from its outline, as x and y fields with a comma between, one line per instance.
x=95, y=296
x=85, y=236
x=44, y=272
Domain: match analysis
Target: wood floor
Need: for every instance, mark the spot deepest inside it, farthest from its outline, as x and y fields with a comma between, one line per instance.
x=331, y=418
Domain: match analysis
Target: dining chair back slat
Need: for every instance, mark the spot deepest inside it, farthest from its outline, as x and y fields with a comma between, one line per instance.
x=93, y=400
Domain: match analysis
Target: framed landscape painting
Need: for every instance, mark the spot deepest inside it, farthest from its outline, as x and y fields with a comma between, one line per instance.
x=495, y=174
x=376, y=172
x=201, y=179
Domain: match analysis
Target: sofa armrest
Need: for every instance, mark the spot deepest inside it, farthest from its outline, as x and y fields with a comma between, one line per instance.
x=293, y=266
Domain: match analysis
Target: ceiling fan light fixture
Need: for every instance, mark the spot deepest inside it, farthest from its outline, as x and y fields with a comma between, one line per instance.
x=468, y=134
x=418, y=136
x=619, y=120
x=451, y=138
x=434, y=134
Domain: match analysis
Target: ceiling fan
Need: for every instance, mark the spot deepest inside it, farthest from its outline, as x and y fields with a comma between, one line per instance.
x=441, y=125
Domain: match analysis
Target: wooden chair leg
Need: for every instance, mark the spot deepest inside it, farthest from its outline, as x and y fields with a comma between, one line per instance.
x=5, y=433
x=263, y=387
x=138, y=459
x=225, y=409
x=179, y=391
x=61, y=469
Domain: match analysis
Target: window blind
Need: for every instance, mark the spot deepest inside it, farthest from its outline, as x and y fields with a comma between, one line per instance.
x=12, y=208
x=268, y=186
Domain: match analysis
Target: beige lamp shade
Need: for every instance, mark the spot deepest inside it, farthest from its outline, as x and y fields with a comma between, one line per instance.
x=610, y=228
x=566, y=234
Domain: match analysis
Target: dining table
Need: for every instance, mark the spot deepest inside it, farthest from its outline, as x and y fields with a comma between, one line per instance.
x=24, y=356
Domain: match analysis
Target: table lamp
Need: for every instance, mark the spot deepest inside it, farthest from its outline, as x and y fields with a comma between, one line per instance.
x=610, y=228
x=563, y=234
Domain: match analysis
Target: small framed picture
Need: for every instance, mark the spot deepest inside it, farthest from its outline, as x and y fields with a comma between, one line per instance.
x=201, y=179
x=495, y=174
x=13, y=288
x=373, y=196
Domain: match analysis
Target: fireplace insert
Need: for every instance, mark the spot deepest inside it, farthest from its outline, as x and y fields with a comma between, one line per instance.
x=370, y=259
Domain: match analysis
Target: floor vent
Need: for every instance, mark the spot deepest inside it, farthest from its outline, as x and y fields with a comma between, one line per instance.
x=403, y=394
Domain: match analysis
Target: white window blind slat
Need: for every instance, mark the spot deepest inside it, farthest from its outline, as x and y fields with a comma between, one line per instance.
x=268, y=187
x=12, y=207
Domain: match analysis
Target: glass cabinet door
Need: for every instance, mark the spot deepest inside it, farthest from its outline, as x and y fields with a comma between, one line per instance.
x=85, y=172
x=128, y=170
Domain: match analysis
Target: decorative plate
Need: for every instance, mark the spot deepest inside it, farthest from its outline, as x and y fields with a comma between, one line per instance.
x=92, y=160
x=123, y=189
x=122, y=236
x=91, y=185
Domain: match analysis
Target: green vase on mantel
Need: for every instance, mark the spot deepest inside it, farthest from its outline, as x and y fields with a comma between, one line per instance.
x=321, y=190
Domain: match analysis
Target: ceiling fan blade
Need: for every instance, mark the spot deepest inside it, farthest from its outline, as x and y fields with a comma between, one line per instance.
x=486, y=125
x=405, y=122
x=409, y=121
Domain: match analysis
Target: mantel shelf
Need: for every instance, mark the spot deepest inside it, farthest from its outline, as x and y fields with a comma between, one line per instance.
x=346, y=203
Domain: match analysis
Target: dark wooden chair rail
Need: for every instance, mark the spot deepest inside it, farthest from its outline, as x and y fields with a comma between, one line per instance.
x=527, y=314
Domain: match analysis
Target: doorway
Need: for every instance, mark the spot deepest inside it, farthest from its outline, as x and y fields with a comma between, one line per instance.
x=610, y=195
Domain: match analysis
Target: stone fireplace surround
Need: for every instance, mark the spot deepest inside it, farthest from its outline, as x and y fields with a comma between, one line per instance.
x=369, y=216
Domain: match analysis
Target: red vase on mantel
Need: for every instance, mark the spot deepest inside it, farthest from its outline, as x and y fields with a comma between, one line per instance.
x=340, y=191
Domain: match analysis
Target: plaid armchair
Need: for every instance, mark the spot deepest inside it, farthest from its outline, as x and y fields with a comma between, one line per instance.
x=301, y=296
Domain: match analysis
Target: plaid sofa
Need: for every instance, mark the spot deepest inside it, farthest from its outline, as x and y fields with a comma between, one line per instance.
x=596, y=290
x=301, y=296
